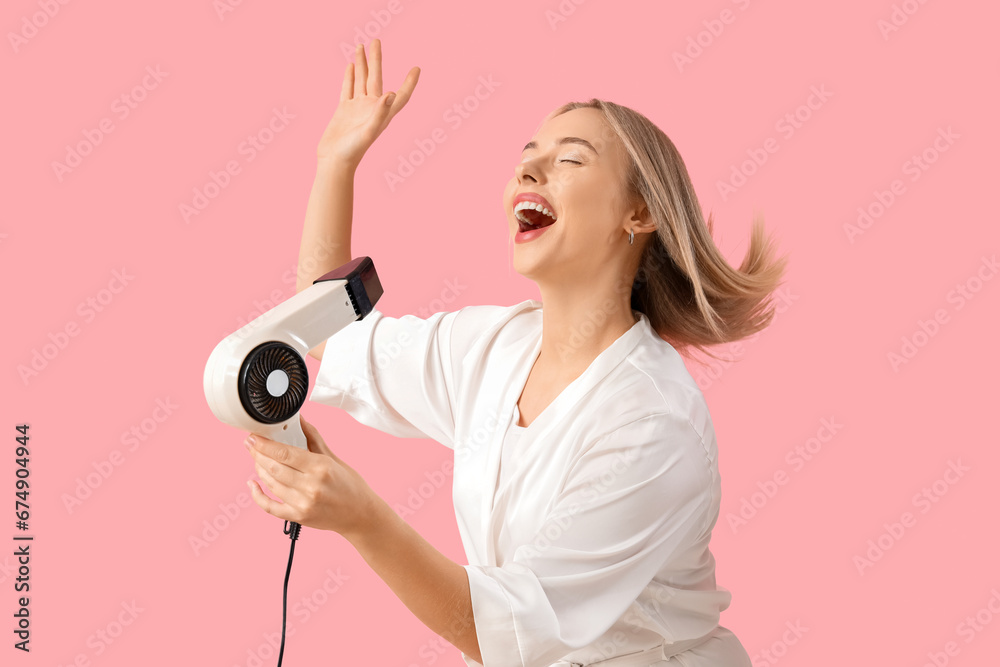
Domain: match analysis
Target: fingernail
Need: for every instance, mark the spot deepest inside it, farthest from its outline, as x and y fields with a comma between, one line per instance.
x=249, y=441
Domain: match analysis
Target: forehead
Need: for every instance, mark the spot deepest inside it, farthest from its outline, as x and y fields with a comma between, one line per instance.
x=587, y=123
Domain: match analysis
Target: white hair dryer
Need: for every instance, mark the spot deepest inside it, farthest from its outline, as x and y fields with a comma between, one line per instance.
x=256, y=378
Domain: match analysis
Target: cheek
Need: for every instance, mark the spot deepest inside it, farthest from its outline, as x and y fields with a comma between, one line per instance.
x=564, y=188
x=591, y=223
x=508, y=193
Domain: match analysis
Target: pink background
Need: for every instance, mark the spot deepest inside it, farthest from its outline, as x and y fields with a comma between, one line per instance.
x=850, y=302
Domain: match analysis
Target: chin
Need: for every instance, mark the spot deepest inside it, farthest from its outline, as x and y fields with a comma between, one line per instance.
x=530, y=269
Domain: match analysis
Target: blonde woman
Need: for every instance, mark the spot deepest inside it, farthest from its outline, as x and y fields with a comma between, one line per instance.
x=585, y=471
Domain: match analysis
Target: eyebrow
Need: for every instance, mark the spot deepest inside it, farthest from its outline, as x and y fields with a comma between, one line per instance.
x=564, y=140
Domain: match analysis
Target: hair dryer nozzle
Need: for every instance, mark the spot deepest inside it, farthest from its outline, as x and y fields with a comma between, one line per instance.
x=363, y=285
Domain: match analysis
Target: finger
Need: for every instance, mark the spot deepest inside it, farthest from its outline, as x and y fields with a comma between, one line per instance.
x=270, y=506
x=314, y=436
x=279, y=472
x=287, y=455
x=285, y=493
x=313, y=439
x=384, y=104
x=404, y=92
x=345, y=90
x=375, y=71
x=360, y=71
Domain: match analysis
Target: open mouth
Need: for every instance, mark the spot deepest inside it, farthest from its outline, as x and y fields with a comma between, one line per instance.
x=530, y=216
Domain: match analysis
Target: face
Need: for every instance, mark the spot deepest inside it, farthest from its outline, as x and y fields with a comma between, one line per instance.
x=581, y=178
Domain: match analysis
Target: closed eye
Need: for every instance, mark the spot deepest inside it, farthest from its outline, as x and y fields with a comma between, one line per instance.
x=573, y=161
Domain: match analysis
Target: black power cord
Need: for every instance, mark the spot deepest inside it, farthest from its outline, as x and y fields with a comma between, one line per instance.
x=292, y=530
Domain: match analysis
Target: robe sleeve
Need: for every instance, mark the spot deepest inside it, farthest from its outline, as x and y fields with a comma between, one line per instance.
x=398, y=375
x=637, y=496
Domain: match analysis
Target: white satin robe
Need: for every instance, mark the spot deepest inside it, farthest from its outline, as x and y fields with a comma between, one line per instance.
x=597, y=542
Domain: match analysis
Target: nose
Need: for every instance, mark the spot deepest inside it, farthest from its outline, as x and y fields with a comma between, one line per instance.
x=528, y=169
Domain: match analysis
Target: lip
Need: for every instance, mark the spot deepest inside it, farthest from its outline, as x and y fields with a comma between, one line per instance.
x=530, y=235
x=532, y=197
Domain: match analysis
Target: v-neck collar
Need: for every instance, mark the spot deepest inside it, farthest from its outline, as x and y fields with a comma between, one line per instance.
x=608, y=359
x=594, y=373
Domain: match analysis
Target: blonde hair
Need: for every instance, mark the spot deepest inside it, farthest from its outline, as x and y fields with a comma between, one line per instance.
x=691, y=295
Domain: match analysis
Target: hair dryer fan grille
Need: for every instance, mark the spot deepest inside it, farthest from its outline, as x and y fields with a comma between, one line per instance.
x=253, y=382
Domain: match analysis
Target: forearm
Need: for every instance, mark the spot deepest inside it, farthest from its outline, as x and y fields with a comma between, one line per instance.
x=326, y=233
x=432, y=586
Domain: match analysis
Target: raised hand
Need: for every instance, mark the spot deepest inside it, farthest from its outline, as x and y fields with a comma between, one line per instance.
x=364, y=111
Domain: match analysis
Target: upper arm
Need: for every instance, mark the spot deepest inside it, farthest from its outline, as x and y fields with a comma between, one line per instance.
x=400, y=374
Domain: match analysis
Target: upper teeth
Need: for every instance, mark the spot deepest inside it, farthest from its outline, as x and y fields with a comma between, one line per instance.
x=530, y=204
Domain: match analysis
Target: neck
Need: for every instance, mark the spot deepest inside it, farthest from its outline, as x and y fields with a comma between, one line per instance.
x=580, y=321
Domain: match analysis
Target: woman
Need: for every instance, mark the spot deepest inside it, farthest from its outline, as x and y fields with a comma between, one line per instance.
x=586, y=483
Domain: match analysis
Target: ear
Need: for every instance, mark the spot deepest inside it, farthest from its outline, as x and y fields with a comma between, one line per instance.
x=641, y=221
